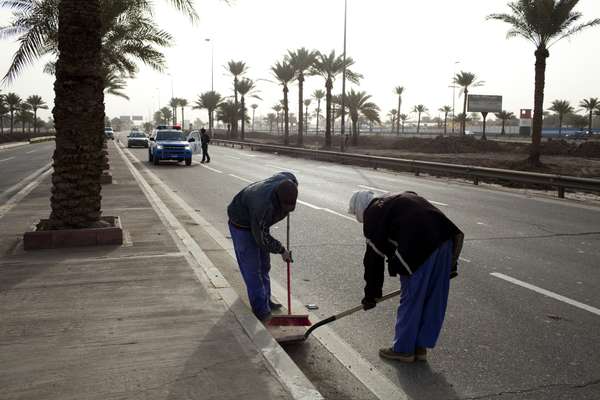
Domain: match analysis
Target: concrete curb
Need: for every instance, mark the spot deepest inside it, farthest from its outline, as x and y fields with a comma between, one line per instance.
x=13, y=145
x=287, y=372
x=42, y=139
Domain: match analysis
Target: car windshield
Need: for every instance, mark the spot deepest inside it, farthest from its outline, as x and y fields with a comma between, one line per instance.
x=170, y=135
x=136, y=134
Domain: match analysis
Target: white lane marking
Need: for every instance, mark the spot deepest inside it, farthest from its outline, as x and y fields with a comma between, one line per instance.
x=287, y=371
x=207, y=167
x=363, y=370
x=464, y=259
x=14, y=200
x=547, y=293
x=282, y=168
x=29, y=152
x=232, y=157
x=240, y=178
x=26, y=180
x=326, y=210
x=437, y=203
x=6, y=159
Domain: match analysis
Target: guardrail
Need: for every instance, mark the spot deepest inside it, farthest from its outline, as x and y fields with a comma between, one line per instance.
x=42, y=139
x=559, y=182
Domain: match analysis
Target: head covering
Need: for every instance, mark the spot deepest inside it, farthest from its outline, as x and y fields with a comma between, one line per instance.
x=287, y=193
x=359, y=202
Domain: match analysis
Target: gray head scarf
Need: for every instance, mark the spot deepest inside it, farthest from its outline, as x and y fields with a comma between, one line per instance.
x=359, y=202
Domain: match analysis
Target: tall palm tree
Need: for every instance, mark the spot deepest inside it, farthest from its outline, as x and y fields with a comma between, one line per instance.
x=301, y=60
x=358, y=103
x=590, y=105
x=393, y=114
x=542, y=22
x=254, y=107
x=228, y=112
x=399, y=90
x=403, y=118
x=561, y=108
x=466, y=80
x=174, y=103
x=246, y=87
x=236, y=69
x=329, y=66
x=13, y=102
x=277, y=108
x=166, y=115
x=419, y=109
x=284, y=72
x=446, y=110
x=504, y=116
x=210, y=100
x=24, y=115
x=37, y=103
x=183, y=103
x=318, y=96
x=3, y=112
x=306, y=104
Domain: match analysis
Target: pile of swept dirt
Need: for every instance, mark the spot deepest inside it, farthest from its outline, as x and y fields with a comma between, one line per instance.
x=588, y=149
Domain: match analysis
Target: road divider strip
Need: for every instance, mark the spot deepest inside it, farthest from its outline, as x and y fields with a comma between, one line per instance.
x=547, y=293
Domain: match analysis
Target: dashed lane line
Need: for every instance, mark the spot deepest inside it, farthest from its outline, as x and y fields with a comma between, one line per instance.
x=547, y=293
x=6, y=159
x=240, y=178
x=207, y=167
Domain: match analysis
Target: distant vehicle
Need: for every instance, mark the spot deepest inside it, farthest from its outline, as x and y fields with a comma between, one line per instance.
x=580, y=135
x=108, y=132
x=469, y=133
x=170, y=144
x=137, y=139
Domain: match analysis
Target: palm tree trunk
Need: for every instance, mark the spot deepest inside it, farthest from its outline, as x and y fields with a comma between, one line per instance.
x=12, y=122
x=23, y=126
x=286, y=117
x=318, y=113
x=354, y=131
x=540, y=80
x=79, y=117
x=243, y=104
x=300, y=139
x=253, y=113
x=234, y=126
x=210, y=122
x=463, y=123
x=419, y=124
x=34, y=121
x=445, y=124
x=398, y=119
x=591, y=118
x=182, y=119
x=403, y=127
x=560, y=122
x=503, y=124
x=328, y=87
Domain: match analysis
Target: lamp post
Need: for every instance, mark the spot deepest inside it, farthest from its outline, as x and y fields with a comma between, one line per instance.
x=342, y=124
x=212, y=62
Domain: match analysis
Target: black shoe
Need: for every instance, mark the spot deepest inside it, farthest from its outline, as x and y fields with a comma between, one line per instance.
x=274, y=306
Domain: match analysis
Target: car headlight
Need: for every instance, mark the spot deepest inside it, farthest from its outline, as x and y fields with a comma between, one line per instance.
x=159, y=147
x=188, y=147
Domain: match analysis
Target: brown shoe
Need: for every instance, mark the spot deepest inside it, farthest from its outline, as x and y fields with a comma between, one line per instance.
x=421, y=354
x=390, y=354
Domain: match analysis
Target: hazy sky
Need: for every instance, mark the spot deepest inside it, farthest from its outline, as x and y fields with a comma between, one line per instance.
x=413, y=44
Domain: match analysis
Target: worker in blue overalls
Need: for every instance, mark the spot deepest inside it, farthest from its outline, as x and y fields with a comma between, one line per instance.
x=422, y=246
x=251, y=214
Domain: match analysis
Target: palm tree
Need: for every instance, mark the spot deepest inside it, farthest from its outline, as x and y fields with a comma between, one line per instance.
x=246, y=87
x=399, y=90
x=590, y=105
x=271, y=119
x=37, y=103
x=13, y=102
x=306, y=104
x=284, y=73
x=329, y=67
x=504, y=116
x=466, y=80
x=403, y=118
x=301, y=60
x=24, y=115
x=114, y=85
x=210, y=100
x=561, y=108
x=237, y=69
x=358, y=104
x=228, y=113
x=3, y=112
x=393, y=115
x=174, y=103
x=166, y=115
x=446, y=110
x=254, y=107
x=318, y=95
x=543, y=23
x=419, y=109
x=183, y=103
x=277, y=108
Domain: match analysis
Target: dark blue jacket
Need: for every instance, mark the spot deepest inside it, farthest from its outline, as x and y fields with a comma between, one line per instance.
x=257, y=208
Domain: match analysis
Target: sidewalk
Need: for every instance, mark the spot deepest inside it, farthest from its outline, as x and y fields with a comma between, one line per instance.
x=124, y=322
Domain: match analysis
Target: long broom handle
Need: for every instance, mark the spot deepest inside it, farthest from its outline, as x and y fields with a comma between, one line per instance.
x=289, y=285
x=349, y=311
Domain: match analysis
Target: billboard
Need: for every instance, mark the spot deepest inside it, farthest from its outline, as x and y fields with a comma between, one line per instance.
x=483, y=103
x=137, y=118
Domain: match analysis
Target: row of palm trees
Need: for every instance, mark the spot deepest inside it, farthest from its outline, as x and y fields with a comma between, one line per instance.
x=17, y=109
x=563, y=108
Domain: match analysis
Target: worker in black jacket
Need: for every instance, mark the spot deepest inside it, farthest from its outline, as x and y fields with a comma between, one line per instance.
x=422, y=246
x=204, y=140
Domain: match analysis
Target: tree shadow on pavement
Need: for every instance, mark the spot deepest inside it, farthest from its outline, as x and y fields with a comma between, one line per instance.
x=420, y=382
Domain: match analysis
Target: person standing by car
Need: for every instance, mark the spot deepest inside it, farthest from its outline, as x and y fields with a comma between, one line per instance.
x=422, y=246
x=205, y=140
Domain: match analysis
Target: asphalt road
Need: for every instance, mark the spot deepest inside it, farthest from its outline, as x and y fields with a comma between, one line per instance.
x=500, y=338
x=18, y=163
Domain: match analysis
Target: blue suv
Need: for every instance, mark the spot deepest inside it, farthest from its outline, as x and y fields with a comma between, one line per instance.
x=169, y=143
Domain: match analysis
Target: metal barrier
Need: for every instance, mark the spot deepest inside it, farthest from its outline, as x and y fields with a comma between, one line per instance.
x=559, y=182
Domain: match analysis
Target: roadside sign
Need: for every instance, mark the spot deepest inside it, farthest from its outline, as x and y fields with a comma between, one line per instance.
x=137, y=118
x=484, y=103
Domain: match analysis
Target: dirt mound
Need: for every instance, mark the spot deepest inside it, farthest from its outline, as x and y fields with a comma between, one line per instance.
x=438, y=145
x=589, y=149
x=558, y=148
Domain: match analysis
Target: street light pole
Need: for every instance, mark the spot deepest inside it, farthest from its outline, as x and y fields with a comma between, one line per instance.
x=342, y=125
